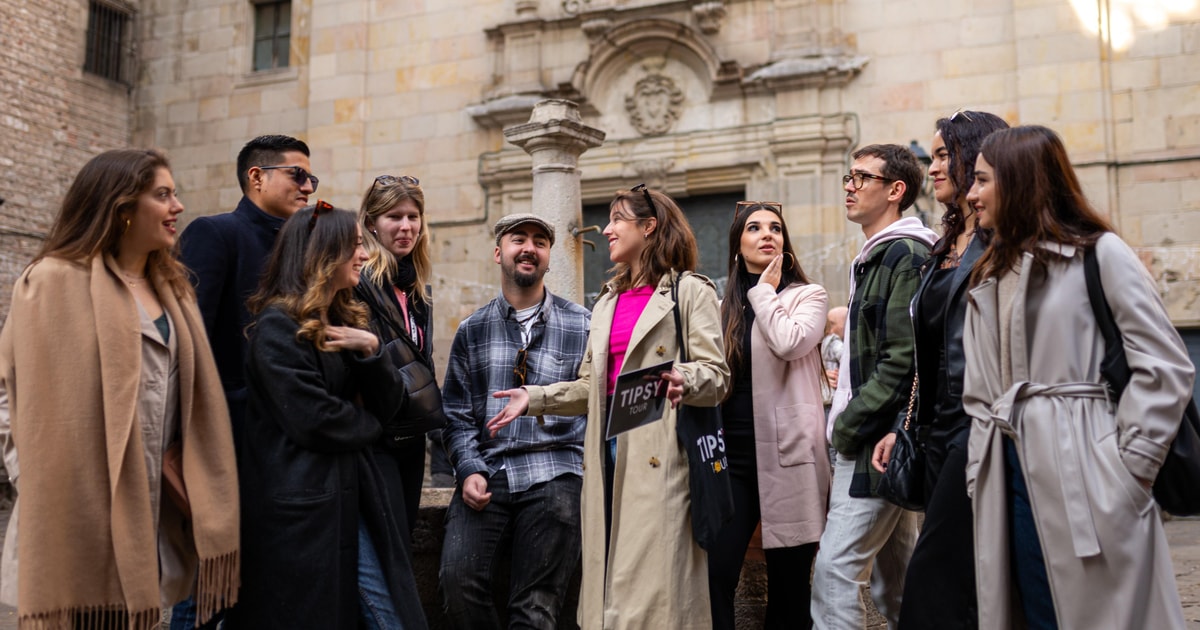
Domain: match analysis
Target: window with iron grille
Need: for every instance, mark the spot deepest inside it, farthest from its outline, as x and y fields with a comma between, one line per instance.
x=108, y=41
x=272, y=34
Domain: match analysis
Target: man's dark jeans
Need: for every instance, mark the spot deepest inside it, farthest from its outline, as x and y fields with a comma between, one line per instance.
x=539, y=527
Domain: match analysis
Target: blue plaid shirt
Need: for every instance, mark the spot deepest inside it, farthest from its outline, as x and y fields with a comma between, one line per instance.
x=482, y=362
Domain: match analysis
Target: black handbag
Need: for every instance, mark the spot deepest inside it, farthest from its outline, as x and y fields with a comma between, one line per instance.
x=903, y=481
x=1176, y=487
x=702, y=436
x=421, y=410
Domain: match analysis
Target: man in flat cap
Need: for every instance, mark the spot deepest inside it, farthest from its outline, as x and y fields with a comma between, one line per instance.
x=518, y=490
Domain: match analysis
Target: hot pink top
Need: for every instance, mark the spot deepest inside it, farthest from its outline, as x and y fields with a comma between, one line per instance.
x=630, y=305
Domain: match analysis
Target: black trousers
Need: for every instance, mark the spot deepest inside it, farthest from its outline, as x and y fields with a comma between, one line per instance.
x=789, y=591
x=939, y=587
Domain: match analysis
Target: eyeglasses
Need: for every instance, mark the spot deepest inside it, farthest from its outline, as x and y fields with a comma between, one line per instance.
x=322, y=206
x=859, y=179
x=649, y=201
x=522, y=368
x=387, y=180
x=774, y=205
x=962, y=113
x=299, y=175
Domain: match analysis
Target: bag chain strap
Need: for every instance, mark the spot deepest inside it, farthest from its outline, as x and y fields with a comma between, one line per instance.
x=912, y=398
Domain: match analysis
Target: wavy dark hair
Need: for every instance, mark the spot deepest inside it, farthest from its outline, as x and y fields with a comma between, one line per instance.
x=298, y=277
x=92, y=217
x=1038, y=199
x=963, y=133
x=733, y=307
x=381, y=264
x=671, y=246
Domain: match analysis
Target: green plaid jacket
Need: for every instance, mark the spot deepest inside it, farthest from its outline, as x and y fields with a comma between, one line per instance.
x=880, y=333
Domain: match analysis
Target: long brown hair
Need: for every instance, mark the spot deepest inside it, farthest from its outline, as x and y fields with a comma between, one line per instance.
x=1038, y=199
x=102, y=197
x=299, y=274
x=963, y=133
x=733, y=307
x=383, y=195
x=671, y=246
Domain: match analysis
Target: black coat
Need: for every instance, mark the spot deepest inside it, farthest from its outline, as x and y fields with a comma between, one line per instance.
x=226, y=254
x=307, y=478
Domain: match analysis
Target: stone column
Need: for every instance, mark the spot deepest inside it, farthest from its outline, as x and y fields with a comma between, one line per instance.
x=555, y=137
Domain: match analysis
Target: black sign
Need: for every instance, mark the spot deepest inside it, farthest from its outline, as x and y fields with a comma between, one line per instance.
x=638, y=399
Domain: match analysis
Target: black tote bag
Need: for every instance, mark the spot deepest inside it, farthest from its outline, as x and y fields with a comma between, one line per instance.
x=702, y=435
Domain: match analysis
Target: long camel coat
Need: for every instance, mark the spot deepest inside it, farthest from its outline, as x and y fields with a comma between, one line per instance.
x=654, y=575
x=789, y=417
x=1084, y=461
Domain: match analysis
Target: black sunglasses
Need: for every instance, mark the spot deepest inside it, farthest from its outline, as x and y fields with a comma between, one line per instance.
x=387, y=180
x=322, y=206
x=299, y=175
x=522, y=368
x=649, y=201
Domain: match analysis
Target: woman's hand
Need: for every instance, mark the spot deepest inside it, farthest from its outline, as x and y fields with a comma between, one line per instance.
x=674, y=386
x=883, y=452
x=773, y=274
x=346, y=338
x=518, y=404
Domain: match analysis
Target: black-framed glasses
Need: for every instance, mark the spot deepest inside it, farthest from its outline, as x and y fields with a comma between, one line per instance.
x=649, y=200
x=860, y=179
x=321, y=207
x=299, y=175
x=742, y=205
x=960, y=112
x=387, y=180
x=522, y=367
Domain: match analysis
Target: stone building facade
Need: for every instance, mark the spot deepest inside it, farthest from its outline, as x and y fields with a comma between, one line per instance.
x=758, y=98
x=54, y=116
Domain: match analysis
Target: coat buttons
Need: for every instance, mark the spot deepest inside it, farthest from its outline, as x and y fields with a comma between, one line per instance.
x=654, y=463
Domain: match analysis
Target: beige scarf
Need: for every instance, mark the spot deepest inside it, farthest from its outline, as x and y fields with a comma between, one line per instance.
x=70, y=354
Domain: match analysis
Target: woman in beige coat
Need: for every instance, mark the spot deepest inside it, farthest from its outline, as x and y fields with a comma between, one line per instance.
x=115, y=373
x=1066, y=529
x=642, y=567
x=774, y=418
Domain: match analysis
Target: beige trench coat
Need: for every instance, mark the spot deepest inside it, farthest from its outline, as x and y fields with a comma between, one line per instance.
x=1084, y=461
x=789, y=416
x=655, y=576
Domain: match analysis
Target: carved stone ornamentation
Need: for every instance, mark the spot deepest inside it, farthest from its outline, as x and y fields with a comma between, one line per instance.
x=709, y=16
x=654, y=105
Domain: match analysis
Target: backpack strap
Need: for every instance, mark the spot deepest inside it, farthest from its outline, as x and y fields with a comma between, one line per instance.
x=1113, y=367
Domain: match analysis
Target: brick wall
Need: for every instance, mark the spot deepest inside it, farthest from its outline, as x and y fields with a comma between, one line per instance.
x=53, y=118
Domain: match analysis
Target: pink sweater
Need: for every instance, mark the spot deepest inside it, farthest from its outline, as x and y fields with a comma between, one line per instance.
x=630, y=305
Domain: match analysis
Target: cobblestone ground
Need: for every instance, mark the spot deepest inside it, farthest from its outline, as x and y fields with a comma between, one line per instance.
x=1182, y=534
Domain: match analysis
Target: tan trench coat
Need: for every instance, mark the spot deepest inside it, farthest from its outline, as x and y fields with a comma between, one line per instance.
x=1084, y=461
x=655, y=576
x=789, y=416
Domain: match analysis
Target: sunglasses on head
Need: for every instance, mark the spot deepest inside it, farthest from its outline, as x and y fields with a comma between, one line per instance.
x=321, y=207
x=962, y=113
x=646, y=192
x=388, y=180
x=742, y=205
x=299, y=175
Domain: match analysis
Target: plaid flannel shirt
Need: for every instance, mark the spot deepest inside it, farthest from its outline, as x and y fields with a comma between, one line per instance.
x=482, y=360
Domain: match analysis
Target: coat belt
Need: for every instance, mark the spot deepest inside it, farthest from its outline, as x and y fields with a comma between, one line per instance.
x=1071, y=477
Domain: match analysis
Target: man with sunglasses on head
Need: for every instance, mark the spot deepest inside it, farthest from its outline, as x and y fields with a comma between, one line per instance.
x=226, y=254
x=864, y=534
x=518, y=490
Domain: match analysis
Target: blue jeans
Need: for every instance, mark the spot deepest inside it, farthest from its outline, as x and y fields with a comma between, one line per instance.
x=378, y=610
x=1028, y=563
x=183, y=616
x=538, y=528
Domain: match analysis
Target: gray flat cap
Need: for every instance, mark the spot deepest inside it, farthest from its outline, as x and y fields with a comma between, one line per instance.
x=510, y=222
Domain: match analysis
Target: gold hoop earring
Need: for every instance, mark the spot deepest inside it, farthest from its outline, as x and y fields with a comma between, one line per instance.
x=126, y=230
x=788, y=256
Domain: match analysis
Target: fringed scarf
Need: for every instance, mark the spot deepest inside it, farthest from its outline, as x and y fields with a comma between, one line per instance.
x=70, y=354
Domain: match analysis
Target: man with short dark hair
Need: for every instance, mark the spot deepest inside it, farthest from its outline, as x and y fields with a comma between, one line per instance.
x=226, y=254
x=865, y=535
x=518, y=490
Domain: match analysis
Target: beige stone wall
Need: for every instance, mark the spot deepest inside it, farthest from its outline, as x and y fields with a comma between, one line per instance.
x=389, y=86
x=53, y=118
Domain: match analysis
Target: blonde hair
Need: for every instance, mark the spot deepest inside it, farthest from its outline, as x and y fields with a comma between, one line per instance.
x=380, y=198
